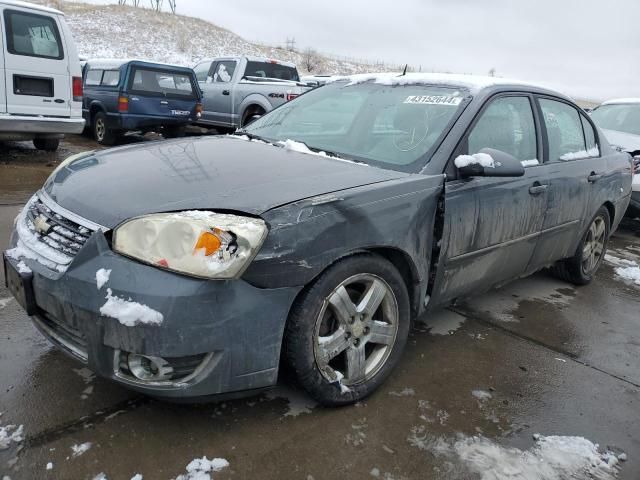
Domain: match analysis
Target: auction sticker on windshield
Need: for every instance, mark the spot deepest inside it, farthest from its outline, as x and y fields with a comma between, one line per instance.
x=434, y=100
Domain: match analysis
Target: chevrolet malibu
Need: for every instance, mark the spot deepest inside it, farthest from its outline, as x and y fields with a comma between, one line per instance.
x=196, y=269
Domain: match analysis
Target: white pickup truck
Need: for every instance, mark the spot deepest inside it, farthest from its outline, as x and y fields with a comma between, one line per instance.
x=238, y=90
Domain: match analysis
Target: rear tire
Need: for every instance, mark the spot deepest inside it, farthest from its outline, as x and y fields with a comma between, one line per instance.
x=581, y=268
x=103, y=134
x=251, y=114
x=348, y=329
x=46, y=144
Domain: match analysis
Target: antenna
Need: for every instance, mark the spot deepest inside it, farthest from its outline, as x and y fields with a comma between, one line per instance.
x=404, y=72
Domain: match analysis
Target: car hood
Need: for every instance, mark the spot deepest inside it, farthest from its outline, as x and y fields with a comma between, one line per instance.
x=217, y=173
x=627, y=141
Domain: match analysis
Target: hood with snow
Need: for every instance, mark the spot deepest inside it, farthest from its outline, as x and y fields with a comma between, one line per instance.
x=628, y=142
x=214, y=173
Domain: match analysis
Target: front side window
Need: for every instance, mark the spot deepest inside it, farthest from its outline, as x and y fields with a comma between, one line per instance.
x=202, y=71
x=224, y=72
x=564, y=132
x=32, y=35
x=158, y=82
x=392, y=126
x=111, y=78
x=93, y=77
x=507, y=125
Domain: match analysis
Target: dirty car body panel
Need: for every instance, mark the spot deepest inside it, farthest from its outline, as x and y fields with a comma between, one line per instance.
x=447, y=235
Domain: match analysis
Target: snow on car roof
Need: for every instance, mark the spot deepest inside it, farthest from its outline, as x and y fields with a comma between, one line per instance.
x=475, y=83
x=31, y=6
x=621, y=100
x=250, y=59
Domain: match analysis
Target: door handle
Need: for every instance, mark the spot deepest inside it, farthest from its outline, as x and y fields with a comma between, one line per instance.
x=537, y=188
x=594, y=177
x=225, y=92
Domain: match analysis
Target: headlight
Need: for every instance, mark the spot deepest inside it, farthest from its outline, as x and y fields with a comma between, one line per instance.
x=199, y=243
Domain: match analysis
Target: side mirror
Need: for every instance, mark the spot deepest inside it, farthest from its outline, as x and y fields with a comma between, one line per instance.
x=489, y=162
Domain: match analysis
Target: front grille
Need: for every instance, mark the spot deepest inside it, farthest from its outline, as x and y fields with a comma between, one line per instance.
x=61, y=234
x=48, y=234
x=69, y=337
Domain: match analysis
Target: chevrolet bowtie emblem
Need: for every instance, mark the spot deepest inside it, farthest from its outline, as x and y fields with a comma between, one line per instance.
x=41, y=225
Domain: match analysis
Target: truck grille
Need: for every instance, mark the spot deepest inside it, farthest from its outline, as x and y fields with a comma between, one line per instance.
x=48, y=235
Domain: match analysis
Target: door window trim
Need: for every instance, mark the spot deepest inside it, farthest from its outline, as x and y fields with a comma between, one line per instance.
x=463, y=144
x=8, y=26
x=547, y=160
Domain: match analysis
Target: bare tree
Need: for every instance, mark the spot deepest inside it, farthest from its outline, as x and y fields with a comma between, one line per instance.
x=172, y=6
x=311, y=60
x=492, y=72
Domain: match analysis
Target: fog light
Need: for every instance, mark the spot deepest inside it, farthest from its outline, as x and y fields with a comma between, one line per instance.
x=149, y=368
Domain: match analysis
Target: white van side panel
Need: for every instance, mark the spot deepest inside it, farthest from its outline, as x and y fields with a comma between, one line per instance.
x=75, y=69
x=20, y=69
x=3, y=92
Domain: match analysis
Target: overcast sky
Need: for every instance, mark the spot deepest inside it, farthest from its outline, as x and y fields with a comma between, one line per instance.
x=586, y=48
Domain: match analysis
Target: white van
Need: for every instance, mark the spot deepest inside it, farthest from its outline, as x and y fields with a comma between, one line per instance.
x=40, y=76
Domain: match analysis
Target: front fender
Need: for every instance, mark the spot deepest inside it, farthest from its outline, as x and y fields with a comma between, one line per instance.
x=307, y=236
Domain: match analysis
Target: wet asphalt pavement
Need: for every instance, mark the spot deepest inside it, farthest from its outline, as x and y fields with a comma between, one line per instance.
x=542, y=356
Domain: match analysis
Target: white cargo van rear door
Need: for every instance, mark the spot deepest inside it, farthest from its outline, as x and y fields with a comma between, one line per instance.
x=3, y=93
x=37, y=78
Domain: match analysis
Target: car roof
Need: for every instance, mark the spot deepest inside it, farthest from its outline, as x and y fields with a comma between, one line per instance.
x=250, y=59
x=617, y=101
x=32, y=6
x=113, y=63
x=474, y=83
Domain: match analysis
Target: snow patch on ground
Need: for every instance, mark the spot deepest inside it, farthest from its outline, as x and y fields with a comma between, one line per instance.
x=481, y=159
x=202, y=468
x=10, y=434
x=137, y=476
x=86, y=374
x=80, y=449
x=445, y=322
x=624, y=268
x=129, y=313
x=49, y=466
x=100, y=476
x=4, y=302
x=298, y=401
x=405, y=392
x=102, y=277
x=550, y=458
x=481, y=395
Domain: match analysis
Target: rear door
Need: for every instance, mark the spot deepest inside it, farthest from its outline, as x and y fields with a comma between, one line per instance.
x=573, y=166
x=3, y=94
x=162, y=92
x=491, y=225
x=37, y=77
x=218, y=95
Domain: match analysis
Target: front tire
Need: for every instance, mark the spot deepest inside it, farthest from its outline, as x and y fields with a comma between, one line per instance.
x=348, y=329
x=581, y=268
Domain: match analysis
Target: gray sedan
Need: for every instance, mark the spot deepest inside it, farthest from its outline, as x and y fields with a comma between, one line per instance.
x=316, y=236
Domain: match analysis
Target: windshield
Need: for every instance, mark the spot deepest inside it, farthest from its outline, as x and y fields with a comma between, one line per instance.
x=390, y=126
x=620, y=117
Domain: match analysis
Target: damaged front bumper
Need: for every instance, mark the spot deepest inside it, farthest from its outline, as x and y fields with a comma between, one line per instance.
x=216, y=337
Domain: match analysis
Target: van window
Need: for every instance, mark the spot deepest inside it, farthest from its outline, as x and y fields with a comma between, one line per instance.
x=93, y=77
x=32, y=35
x=111, y=78
x=162, y=82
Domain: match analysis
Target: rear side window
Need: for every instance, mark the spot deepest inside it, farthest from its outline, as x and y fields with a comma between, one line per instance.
x=32, y=35
x=224, y=72
x=589, y=136
x=271, y=70
x=93, y=77
x=564, y=132
x=161, y=83
x=110, y=78
x=507, y=125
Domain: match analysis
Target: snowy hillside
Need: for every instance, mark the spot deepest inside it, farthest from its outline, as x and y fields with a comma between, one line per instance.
x=126, y=32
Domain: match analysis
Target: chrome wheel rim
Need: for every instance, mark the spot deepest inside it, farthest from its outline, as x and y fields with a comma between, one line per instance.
x=100, y=129
x=593, y=248
x=356, y=329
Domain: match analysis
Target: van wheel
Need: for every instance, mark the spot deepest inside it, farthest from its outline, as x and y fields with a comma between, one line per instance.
x=581, y=268
x=46, y=144
x=348, y=329
x=103, y=134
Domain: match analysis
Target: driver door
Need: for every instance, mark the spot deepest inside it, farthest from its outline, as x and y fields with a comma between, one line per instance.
x=491, y=225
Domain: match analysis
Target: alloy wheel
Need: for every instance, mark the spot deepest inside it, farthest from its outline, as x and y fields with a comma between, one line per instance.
x=593, y=248
x=356, y=329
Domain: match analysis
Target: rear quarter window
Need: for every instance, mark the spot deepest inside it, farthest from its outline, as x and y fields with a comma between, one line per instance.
x=93, y=77
x=271, y=70
x=111, y=78
x=32, y=35
x=158, y=82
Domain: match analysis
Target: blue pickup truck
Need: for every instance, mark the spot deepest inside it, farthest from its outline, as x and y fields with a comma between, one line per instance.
x=135, y=95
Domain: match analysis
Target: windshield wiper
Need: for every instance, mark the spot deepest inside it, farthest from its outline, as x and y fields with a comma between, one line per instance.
x=252, y=136
x=329, y=153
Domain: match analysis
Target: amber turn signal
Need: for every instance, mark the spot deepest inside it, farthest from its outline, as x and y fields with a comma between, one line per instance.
x=209, y=242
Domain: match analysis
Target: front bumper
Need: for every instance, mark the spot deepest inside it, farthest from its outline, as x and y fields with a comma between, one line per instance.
x=40, y=125
x=237, y=328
